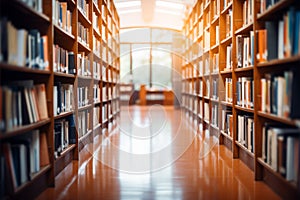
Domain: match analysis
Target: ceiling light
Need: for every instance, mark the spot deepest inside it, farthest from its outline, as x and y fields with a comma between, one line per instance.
x=128, y=4
x=129, y=11
x=167, y=4
x=168, y=12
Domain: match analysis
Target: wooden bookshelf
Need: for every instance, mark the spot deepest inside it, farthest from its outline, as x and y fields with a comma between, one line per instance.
x=100, y=69
x=244, y=68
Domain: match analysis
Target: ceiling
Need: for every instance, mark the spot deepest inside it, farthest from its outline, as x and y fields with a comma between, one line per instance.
x=153, y=13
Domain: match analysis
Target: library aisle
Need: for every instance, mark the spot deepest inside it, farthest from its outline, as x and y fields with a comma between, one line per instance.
x=201, y=170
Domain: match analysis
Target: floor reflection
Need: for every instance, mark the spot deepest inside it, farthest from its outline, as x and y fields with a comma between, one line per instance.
x=156, y=153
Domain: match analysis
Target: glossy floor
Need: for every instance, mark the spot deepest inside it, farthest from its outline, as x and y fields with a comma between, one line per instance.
x=156, y=153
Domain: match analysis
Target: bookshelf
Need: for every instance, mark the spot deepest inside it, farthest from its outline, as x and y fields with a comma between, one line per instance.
x=54, y=66
x=230, y=75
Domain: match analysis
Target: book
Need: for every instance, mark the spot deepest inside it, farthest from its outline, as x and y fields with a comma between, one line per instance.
x=40, y=92
x=44, y=154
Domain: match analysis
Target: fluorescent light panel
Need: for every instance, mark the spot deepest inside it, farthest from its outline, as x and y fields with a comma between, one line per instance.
x=166, y=4
x=130, y=11
x=168, y=12
x=128, y=4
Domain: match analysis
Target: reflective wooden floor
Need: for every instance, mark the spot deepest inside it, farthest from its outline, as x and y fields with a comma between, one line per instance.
x=156, y=153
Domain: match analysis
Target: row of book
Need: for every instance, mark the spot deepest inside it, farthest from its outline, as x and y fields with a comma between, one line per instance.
x=247, y=12
x=35, y=4
x=227, y=122
x=215, y=8
x=21, y=159
x=229, y=23
x=267, y=4
x=245, y=50
x=229, y=61
x=115, y=107
x=280, y=39
x=61, y=15
x=96, y=93
x=206, y=111
x=22, y=103
x=190, y=87
x=215, y=89
x=96, y=24
x=96, y=70
x=64, y=134
x=245, y=92
x=96, y=115
x=84, y=123
x=63, y=95
x=63, y=60
x=83, y=34
x=280, y=149
x=83, y=96
x=83, y=6
x=96, y=46
x=245, y=131
x=278, y=94
x=23, y=47
x=214, y=115
x=105, y=112
x=228, y=90
x=84, y=64
x=215, y=63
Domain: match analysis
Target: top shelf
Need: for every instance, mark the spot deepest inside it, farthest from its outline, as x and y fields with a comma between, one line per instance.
x=270, y=12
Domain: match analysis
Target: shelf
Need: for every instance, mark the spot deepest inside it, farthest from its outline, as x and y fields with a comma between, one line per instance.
x=244, y=69
x=97, y=126
x=64, y=75
x=88, y=78
x=227, y=8
x=65, y=151
x=83, y=47
x=10, y=67
x=225, y=103
x=97, y=33
x=214, y=74
x=63, y=33
x=97, y=103
x=87, y=134
x=63, y=115
x=206, y=98
x=278, y=119
x=23, y=129
x=271, y=12
x=21, y=9
x=280, y=61
x=82, y=108
x=214, y=100
x=34, y=177
x=244, y=29
x=214, y=127
x=83, y=19
x=215, y=19
x=206, y=6
x=244, y=148
x=214, y=47
x=250, y=110
x=226, y=73
x=278, y=175
x=226, y=135
x=226, y=40
x=96, y=8
x=206, y=121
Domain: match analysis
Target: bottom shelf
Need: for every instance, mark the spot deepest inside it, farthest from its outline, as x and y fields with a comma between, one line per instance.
x=288, y=189
x=64, y=159
x=245, y=155
x=31, y=189
x=226, y=140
